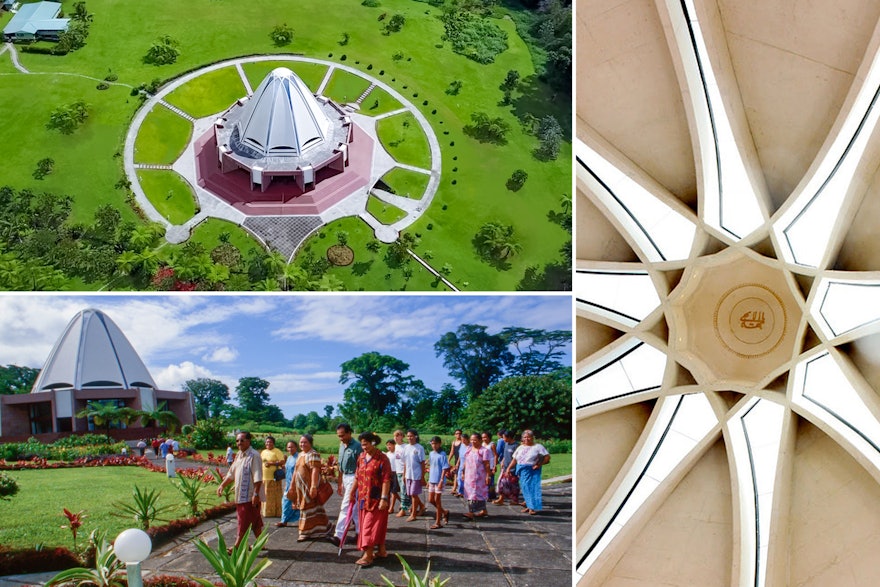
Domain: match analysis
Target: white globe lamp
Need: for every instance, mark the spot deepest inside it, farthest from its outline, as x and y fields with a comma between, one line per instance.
x=132, y=547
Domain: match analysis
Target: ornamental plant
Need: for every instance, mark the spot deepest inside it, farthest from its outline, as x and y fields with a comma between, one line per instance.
x=412, y=578
x=8, y=487
x=108, y=572
x=146, y=508
x=237, y=566
x=191, y=488
x=74, y=521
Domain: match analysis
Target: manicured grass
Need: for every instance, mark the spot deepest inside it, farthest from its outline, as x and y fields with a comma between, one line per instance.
x=345, y=87
x=310, y=73
x=208, y=94
x=34, y=515
x=472, y=186
x=169, y=193
x=370, y=271
x=162, y=137
x=402, y=136
x=559, y=465
x=86, y=165
x=208, y=233
x=378, y=101
x=384, y=212
x=407, y=183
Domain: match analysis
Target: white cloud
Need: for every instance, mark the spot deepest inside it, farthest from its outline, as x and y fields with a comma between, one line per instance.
x=172, y=377
x=222, y=354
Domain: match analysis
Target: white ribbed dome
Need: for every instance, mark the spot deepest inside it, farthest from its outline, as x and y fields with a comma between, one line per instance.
x=93, y=352
x=282, y=118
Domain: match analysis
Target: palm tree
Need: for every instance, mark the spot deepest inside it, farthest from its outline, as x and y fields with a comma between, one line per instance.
x=127, y=261
x=160, y=417
x=292, y=277
x=275, y=263
x=106, y=415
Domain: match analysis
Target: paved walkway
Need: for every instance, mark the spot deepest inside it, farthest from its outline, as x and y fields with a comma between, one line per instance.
x=503, y=550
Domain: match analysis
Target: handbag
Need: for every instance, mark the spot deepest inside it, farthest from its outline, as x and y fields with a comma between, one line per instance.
x=279, y=475
x=325, y=491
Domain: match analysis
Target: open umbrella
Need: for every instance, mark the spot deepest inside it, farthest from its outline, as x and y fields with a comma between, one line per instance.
x=347, y=524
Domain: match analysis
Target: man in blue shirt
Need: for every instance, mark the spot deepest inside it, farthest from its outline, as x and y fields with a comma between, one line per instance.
x=349, y=449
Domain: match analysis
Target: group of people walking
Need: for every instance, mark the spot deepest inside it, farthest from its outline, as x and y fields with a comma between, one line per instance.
x=372, y=482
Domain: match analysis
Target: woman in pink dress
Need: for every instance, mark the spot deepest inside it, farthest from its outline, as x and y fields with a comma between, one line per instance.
x=476, y=478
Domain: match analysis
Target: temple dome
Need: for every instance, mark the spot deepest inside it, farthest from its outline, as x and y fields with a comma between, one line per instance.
x=282, y=118
x=92, y=352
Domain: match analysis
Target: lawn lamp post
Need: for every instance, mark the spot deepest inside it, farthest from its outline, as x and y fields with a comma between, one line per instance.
x=132, y=547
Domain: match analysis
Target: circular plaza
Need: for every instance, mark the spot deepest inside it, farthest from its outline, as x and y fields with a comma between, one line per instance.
x=281, y=146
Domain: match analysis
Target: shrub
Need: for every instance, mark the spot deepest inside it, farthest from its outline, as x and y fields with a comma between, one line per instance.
x=163, y=51
x=44, y=167
x=517, y=180
x=370, y=3
x=281, y=35
x=103, y=86
x=111, y=77
x=488, y=130
x=209, y=433
x=8, y=487
x=343, y=57
x=370, y=67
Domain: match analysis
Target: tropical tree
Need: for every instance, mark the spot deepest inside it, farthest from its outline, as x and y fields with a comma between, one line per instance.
x=495, y=241
x=163, y=51
x=17, y=379
x=210, y=396
x=474, y=357
x=108, y=414
x=377, y=382
x=536, y=351
x=252, y=394
x=160, y=417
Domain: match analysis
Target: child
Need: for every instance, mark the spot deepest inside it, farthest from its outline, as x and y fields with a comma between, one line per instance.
x=439, y=465
x=395, y=486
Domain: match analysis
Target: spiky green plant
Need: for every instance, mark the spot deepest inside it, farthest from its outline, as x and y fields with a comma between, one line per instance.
x=218, y=479
x=412, y=578
x=238, y=567
x=109, y=571
x=191, y=488
x=146, y=508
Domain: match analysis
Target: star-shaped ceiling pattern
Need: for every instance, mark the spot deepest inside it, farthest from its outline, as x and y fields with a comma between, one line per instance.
x=734, y=303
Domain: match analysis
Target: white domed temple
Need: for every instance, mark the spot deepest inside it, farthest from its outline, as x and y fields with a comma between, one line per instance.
x=92, y=361
x=283, y=130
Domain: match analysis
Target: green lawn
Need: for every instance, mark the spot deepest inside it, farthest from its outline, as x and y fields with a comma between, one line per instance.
x=34, y=515
x=208, y=94
x=310, y=73
x=208, y=233
x=87, y=165
x=369, y=271
x=384, y=212
x=169, y=193
x=345, y=87
x=407, y=183
x=403, y=138
x=162, y=137
x=378, y=101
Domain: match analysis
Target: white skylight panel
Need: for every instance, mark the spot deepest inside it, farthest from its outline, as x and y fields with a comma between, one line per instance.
x=842, y=305
x=622, y=297
x=680, y=424
x=659, y=231
x=823, y=389
x=730, y=201
x=805, y=229
x=631, y=368
x=756, y=434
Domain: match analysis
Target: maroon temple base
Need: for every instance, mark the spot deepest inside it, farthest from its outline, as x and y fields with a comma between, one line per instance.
x=285, y=197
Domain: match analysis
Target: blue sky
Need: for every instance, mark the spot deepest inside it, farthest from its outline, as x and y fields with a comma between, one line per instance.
x=297, y=343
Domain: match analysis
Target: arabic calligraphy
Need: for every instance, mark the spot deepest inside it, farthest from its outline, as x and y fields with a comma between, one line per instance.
x=752, y=319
